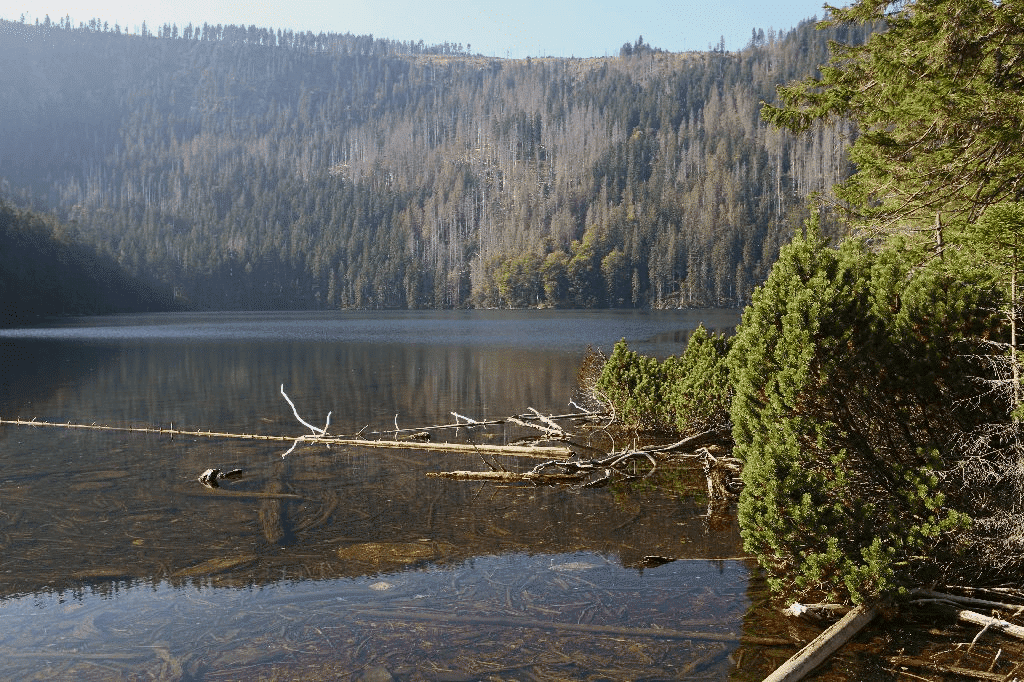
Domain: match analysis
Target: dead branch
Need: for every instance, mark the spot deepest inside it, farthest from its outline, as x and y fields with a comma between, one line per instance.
x=505, y=476
x=691, y=443
x=573, y=416
x=723, y=476
x=588, y=473
x=316, y=431
x=538, y=451
x=991, y=622
x=554, y=433
x=547, y=420
x=966, y=601
x=1001, y=592
x=912, y=662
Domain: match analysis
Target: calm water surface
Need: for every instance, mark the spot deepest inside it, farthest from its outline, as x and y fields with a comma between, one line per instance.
x=348, y=562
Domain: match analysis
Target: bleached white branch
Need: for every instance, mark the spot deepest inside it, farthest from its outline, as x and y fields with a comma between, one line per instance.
x=317, y=432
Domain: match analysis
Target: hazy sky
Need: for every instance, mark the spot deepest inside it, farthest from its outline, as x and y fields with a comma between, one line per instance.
x=512, y=28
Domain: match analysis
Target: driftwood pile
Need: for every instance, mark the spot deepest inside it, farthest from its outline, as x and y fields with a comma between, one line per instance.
x=722, y=472
x=955, y=662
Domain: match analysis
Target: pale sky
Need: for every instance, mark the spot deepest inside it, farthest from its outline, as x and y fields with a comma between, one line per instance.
x=512, y=28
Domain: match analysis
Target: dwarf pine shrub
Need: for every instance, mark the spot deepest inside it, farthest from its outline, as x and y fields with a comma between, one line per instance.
x=681, y=395
x=851, y=386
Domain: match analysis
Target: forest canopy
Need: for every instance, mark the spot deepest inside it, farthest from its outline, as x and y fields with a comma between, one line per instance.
x=240, y=167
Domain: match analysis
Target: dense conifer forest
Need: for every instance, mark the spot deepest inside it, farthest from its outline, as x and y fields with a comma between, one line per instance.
x=43, y=272
x=247, y=168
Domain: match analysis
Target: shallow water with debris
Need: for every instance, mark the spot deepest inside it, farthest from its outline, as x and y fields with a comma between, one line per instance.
x=349, y=562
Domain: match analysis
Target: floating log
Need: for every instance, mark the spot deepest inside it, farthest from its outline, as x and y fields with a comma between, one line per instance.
x=589, y=473
x=990, y=622
x=823, y=646
x=540, y=452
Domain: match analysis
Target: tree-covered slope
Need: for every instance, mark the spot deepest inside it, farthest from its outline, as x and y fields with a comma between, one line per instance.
x=43, y=272
x=249, y=168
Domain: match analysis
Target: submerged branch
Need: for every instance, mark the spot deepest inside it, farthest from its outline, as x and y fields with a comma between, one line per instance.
x=513, y=622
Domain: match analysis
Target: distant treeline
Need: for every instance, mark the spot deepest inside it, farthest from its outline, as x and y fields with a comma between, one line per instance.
x=253, y=168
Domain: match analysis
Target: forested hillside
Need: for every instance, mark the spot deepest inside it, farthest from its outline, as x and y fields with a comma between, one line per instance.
x=44, y=273
x=251, y=168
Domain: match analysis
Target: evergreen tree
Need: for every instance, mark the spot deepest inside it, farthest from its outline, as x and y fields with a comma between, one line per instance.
x=936, y=98
x=634, y=385
x=698, y=391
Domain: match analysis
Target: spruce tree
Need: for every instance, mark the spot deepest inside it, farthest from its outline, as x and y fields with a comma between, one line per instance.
x=936, y=97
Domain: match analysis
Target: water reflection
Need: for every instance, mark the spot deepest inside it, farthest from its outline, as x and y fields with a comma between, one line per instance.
x=114, y=558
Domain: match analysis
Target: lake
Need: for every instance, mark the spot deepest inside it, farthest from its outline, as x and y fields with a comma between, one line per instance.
x=347, y=562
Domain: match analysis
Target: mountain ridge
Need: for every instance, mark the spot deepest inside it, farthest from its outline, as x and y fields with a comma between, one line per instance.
x=257, y=169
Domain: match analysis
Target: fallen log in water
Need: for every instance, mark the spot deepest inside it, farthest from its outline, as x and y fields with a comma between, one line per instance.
x=505, y=476
x=538, y=451
x=997, y=624
x=588, y=473
x=823, y=646
x=545, y=452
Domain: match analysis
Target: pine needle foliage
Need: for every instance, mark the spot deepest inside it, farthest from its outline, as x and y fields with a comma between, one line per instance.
x=698, y=392
x=634, y=384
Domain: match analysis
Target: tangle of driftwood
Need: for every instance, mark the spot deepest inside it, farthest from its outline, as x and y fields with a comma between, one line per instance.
x=959, y=607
